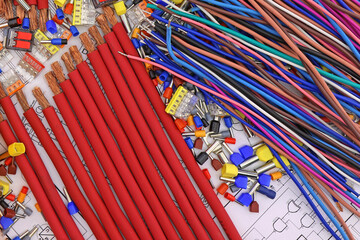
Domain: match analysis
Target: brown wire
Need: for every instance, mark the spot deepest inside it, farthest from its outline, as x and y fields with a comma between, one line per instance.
x=267, y=13
x=304, y=102
x=328, y=203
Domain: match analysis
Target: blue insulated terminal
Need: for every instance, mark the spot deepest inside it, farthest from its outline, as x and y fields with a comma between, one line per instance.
x=60, y=14
x=246, y=151
x=163, y=76
x=264, y=179
x=135, y=42
x=245, y=199
x=198, y=122
x=267, y=192
x=236, y=159
x=26, y=23
x=189, y=142
x=228, y=121
x=74, y=31
x=241, y=181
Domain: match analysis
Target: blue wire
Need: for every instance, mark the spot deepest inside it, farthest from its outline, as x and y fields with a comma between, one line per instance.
x=316, y=210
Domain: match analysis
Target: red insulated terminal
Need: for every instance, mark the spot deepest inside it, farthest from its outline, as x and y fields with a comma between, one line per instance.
x=223, y=188
x=69, y=8
x=168, y=93
x=8, y=161
x=208, y=176
x=180, y=123
x=58, y=21
x=230, y=140
x=230, y=197
x=10, y=197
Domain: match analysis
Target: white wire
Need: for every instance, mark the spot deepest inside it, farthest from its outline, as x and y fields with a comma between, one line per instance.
x=309, y=24
x=276, y=121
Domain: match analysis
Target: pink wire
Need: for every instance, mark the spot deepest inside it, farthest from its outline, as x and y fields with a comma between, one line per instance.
x=343, y=27
x=240, y=108
x=276, y=130
x=267, y=62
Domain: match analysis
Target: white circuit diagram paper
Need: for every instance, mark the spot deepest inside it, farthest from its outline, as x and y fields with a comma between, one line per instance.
x=288, y=216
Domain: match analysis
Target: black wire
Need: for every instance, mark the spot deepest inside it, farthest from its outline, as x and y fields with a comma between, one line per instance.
x=247, y=93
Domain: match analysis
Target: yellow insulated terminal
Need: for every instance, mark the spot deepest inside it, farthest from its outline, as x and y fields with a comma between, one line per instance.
x=229, y=170
x=16, y=149
x=176, y=100
x=177, y=1
x=5, y=187
x=120, y=8
x=60, y=3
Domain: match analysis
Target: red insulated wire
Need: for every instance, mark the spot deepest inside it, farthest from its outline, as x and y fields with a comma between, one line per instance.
x=106, y=163
x=34, y=185
x=40, y=169
x=42, y=4
x=174, y=134
x=135, y=166
x=139, y=101
x=146, y=137
x=65, y=174
x=81, y=173
x=120, y=163
x=31, y=2
x=91, y=161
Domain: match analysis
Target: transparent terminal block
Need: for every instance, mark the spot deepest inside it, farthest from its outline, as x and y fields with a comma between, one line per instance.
x=102, y=3
x=29, y=67
x=186, y=106
x=215, y=110
x=42, y=52
x=11, y=82
x=5, y=56
x=135, y=16
x=84, y=13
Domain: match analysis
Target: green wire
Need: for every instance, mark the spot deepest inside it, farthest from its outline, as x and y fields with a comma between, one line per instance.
x=260, y=45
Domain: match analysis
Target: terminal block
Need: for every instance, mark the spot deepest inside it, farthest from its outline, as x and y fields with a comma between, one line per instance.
x=5, y=56
x=29, y=66
x=11, y=82
x=84, y=13
x=19, y=39
x=182, y=103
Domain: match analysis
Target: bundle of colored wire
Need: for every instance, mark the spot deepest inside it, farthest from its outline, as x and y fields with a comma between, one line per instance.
x=287, y=70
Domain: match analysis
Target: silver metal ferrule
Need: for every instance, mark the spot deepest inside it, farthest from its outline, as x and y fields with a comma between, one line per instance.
x=265, y=168
x=67, y=195
x=224, y=144
x=223, y=158
x=213, y=147
x=45, y=41
x=249, y=161
x=250, y=174
x=66, y=25
x=4, y=25
x=254, y=188
x=33, y=231
x=24, y=5
x=232, y=180
x=20, y=205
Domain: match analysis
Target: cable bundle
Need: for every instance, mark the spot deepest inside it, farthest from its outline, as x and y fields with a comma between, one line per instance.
x=287, y=70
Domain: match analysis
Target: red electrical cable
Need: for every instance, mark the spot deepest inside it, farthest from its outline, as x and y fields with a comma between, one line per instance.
x=40, y=169
x=34, y=185
x=91, y=161
x=106, y=163
x=174, y=134
x=81, y=173
x=140, y=101
x=118, y=163
x=146, y=137
x=65, y=174
x=135, y=166
x=42, y=4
